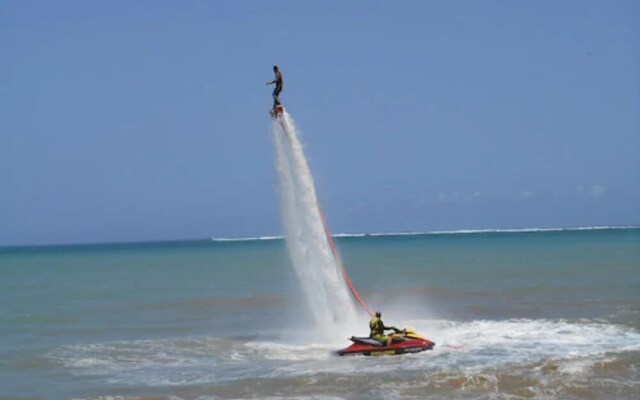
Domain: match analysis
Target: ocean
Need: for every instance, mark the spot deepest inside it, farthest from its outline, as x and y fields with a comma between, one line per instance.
x=534, y=314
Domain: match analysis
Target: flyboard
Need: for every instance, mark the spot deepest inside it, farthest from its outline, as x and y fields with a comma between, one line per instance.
x=276, y=115
x=405, y=341
x=277, y=111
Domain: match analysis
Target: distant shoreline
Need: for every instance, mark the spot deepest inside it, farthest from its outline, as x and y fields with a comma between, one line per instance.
x=337, y=235
x=444, y=232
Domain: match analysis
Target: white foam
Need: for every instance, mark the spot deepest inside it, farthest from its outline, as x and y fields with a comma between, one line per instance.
x=505, y=230
x=524, y=341
x=349, y=235
x=469, y=347
x=247, y=239
x=281, y=351
x=451, y=232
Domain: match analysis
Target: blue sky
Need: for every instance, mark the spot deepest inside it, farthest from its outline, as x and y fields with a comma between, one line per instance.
x=148, y=120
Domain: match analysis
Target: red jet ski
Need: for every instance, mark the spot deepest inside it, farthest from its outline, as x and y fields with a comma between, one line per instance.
x=406, y=341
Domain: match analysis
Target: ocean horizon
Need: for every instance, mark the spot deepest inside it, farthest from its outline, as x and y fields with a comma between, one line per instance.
x=335, y=235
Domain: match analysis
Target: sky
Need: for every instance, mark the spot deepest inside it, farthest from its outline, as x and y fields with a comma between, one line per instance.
x=148, y=120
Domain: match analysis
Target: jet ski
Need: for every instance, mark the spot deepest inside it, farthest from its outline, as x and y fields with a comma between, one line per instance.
x=405, y=341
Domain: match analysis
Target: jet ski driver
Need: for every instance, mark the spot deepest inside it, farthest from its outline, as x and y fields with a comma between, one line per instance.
x=377, y=330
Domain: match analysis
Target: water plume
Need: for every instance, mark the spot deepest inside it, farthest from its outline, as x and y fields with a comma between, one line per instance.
x=326, y=293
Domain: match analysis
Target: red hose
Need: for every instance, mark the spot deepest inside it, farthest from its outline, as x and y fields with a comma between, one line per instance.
x=354, y=292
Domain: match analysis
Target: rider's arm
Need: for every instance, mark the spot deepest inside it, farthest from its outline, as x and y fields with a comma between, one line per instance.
x=387, y=328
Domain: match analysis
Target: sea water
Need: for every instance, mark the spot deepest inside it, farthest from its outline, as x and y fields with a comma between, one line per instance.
x=549, y=314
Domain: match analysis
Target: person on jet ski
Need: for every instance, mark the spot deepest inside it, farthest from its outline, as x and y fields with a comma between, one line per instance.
x=377, y=330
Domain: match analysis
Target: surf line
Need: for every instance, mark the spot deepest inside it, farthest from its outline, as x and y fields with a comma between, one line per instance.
x=282, y=116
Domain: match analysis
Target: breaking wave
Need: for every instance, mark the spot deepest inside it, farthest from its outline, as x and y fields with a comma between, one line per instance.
x=445, y=232
x=472, y=347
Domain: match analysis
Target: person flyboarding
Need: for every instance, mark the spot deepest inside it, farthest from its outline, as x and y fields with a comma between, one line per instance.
x=278, y=88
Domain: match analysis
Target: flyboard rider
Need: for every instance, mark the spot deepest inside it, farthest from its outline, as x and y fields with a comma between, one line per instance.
x=278, y=88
